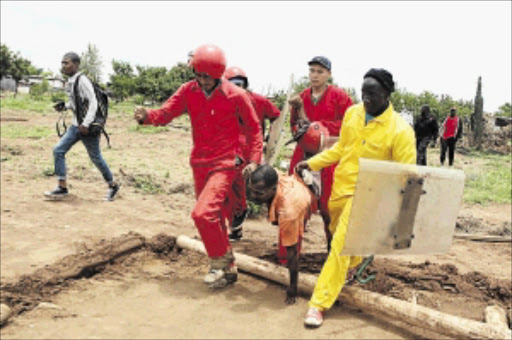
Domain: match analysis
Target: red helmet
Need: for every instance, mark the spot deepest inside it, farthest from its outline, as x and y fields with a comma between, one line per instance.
x=311, y=141
x=233, y=71
x=236, y=72
x=209, y=59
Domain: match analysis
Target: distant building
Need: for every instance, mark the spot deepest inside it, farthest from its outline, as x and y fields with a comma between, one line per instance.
x=8, y=84
x=57, y=83
x=23, y=87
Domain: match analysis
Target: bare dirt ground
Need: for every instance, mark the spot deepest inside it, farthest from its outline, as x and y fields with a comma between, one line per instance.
x=147, y=294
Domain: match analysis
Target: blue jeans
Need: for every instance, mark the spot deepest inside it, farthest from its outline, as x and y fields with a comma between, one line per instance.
x=91, y=143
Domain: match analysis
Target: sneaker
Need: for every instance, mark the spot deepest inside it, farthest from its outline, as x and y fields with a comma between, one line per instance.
x=59, y=192
x=112, y=191
x=219, y=278
x=314, y=317
x=236, y=233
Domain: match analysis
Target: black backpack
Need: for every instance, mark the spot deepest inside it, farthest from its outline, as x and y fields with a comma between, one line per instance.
x=82, y=105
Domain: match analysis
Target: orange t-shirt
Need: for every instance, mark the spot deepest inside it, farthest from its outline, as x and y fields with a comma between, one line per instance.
x=291, y=208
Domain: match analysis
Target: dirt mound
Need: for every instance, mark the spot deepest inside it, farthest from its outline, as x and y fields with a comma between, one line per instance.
x=498, y=141
x=45, y=282
x=470, y=225
x=436, y=286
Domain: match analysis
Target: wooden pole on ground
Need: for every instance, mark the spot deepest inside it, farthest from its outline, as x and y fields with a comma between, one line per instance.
x=483, y=238
x=371, y=302
x=5, y=313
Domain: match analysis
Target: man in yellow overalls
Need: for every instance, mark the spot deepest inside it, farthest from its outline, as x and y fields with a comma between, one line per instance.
x=371, y=130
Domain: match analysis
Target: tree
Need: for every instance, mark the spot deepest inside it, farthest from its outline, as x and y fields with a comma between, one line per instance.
x=91, y=63
x=504, y=110
x=14, y=65
x=122, y=82
x=158, y=84
x=478, y=118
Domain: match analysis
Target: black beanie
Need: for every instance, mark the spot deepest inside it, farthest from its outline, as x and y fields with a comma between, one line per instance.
x=383, y=77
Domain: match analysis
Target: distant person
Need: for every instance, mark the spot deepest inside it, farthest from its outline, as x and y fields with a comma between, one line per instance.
x=370, y=130
x=325, y=104
x=84, y=111
x=426, y=130
x=216, y=108
x=289, y=203
x=265, y=110
x=451, y=132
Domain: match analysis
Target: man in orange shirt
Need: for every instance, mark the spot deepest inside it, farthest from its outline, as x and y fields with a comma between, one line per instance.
x=289, y=203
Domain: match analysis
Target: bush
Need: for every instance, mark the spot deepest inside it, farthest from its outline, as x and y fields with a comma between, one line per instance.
x=138, y=99
x=39, y=89
x=59, y=96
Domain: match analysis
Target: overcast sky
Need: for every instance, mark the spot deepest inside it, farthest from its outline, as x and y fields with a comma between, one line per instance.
x=438, y=46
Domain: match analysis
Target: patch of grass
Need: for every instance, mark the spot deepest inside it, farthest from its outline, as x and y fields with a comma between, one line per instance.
x=19, y=131
x=147, y=185
x=148, y=129
x=491, y=182
x=27, y=103
x=123, y=108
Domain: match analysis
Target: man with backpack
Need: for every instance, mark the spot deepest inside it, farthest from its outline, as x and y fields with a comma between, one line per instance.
x=87, y=126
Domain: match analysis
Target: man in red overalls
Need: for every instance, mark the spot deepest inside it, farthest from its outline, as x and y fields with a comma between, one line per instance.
x=265, y=109
x=451, y=132
x=216, y=108
x=325, y=104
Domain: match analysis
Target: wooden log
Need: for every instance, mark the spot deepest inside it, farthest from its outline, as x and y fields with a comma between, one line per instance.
x=370, y=302
x=5, y=313
x=484, y=238
x=495, y=315
x=275, y=139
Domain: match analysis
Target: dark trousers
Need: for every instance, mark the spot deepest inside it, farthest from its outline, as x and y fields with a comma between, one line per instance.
x=450, y=145
x=421, y=150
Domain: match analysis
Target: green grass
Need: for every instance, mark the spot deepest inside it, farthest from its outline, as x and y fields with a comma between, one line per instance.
x=20, y=131
x=27, y=103
x=125, y=108
x=490, y=182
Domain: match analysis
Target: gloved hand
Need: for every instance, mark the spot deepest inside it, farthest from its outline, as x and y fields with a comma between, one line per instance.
x=303, y=165
x=60, y=106
x=140, y=114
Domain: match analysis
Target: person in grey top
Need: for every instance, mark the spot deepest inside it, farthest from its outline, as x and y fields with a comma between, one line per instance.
x=85, y=90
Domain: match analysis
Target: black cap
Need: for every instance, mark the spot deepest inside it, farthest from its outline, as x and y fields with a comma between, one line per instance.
x=322, y=61
x=383, y=77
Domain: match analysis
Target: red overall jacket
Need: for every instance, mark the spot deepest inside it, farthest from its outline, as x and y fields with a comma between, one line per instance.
x=215, y=123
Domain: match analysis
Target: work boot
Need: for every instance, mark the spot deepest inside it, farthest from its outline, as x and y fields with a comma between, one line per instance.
x=236, y=228
x=58, y=193
x=236, y=233
x=314, y=318
x=219, y=278
x=112, y=191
